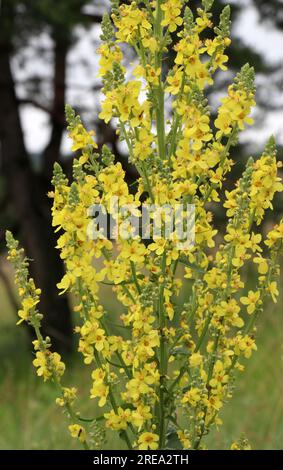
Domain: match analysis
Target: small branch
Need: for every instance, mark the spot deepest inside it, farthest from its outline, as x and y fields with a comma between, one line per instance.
x=36, y=104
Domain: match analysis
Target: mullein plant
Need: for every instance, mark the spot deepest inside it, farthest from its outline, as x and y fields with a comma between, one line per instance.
x=161, y=382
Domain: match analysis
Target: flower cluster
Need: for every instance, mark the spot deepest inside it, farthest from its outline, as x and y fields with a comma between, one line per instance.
x=163, y=363
x=48, y=364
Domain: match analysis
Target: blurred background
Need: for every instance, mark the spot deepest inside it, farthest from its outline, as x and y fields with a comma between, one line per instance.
x=47, y=58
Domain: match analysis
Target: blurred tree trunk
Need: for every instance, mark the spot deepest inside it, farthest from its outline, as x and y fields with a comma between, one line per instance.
x=27, y=190
x=57, y=113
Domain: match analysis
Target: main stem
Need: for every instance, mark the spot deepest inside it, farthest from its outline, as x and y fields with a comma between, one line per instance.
x=163, y=360
x=159, y=94
x=160, y=127
x=114, y=405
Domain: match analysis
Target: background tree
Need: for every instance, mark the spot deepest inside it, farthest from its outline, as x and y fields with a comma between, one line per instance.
x=25, y=189
x=25, y=178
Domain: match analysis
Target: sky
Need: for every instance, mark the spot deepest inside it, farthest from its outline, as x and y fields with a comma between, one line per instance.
x=83, y=67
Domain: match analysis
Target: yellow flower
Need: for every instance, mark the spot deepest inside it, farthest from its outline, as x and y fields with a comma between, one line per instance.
x=215, y=278
x=142, y=148
x=152, y=75
x=199, y=132
x=172, y=11
x=196, y=359
x=192, y=396
x=130, y=22
x=119, y=420
x=92, y=334
x=174, y=82
x=146, y=345
x=234, y=110
x=244, y=345
x=273, y=290
x=262, y=264
x=241, y=444
x=48, y=364
x=141, y=415
x=77, y=432
x=150, y=43
x=69, y=396
x=124, y=100
x=186, y=443
x=81, y=138
x=141, y=381
x=219, y=378
x=158, y=246
x=148, y=441
x=255, y=240
x=202, y=22
x=65, y=282
x=99, y=388
x=265, y=183
x=214, y=402
x=134, y=251
x=28, y=305
x=223, y=123
x=229, y=310
x=220, y=60
x=251, y=301
x=109, y=55
x=274, y=235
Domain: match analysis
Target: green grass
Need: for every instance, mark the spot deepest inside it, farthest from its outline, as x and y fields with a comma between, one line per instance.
x=29, y=418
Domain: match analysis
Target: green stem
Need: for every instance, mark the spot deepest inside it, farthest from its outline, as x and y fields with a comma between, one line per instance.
x=158, y=20
x=134, y=273
x=128, y=293
x=128, y=142
x=68, y=407
x=122, y=364
x=175, y=265
x=160, y=125
x=209, y=377
x=148, y=185
x=204, y=331
x=124, y=433
x=159, y=93
x=177, y=380
x=176, y=122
